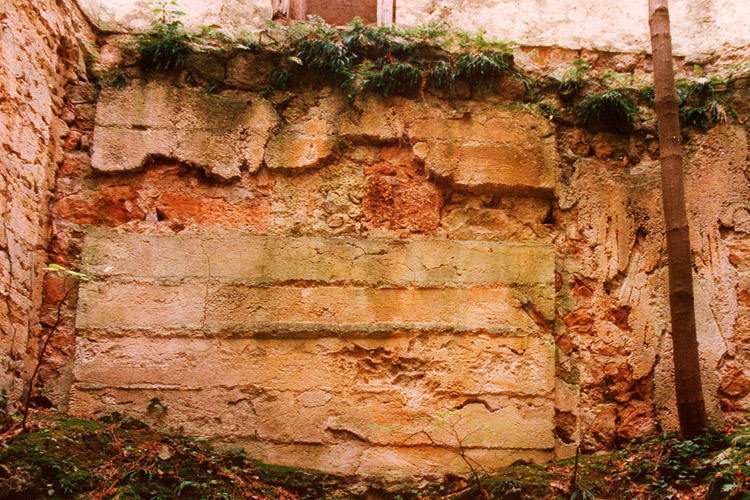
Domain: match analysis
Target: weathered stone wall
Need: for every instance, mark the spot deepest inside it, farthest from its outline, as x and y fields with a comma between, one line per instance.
x=613, y=301
x=320, y=281
x=611, y=25
x=302, y=276
x=41, y=48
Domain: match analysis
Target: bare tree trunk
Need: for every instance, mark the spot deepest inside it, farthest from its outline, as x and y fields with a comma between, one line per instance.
x=690, y=405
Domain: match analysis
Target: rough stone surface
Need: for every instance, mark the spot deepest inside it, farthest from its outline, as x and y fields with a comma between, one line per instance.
x=255, y=392
x=493, y=166
x=330, y=259
x=372, y=228
x=613, y=288
x=266, y=260
x=388, y=332
x=495, y=150
x=220, y=134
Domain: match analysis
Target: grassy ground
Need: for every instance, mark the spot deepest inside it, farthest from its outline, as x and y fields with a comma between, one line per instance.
x=70, y=458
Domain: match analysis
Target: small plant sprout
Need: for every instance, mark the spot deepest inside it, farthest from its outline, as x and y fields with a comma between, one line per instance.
x=445, y=430
x=156, y=406
x=701, y=105
x=165, y=45
x=67, y=272
x=572, y=81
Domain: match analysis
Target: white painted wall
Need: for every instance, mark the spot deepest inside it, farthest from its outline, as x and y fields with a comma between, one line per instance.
x=701, y=28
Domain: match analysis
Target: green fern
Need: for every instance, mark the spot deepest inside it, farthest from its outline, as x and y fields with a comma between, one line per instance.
x=387, y=79
x=610, y=109
x=326, y=56
x=442, y=77
x=483, y=69
x=572, y=81
x=701, y=105
x=165, y=45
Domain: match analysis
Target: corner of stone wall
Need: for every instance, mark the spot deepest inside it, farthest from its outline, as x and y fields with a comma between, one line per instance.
x=44, y=49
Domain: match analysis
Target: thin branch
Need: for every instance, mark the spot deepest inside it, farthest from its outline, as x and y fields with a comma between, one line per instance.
x=40, y=358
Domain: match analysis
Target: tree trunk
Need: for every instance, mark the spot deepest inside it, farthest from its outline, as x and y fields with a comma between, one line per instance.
x=690, y=405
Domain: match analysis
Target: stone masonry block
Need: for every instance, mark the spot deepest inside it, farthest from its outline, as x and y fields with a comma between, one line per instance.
x=119, y=149
x=231, y=306
x=496, y=126
x=372, y=392
x=220, y=134
x=303, y=145
x=140, y=305
x=226, y=306
x=510, y=151
x=524, y=168
x=278, y=259
x=429, y=366
x=230, y=415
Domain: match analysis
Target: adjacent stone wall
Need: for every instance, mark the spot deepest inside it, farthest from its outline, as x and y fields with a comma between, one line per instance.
x=42, y=47
x=613, y=299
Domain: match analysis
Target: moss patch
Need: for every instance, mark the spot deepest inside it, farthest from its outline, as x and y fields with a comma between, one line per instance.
x=71, y=458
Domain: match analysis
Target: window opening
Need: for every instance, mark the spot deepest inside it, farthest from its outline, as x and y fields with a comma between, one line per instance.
x=337, y=12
